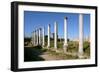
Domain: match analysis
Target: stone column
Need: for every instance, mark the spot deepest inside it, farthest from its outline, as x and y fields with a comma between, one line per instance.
x=48, y=36
x=39, y=36
x=43, y=37
x=80, y=54
x=65, y=35
x=55, y=35
x=34, y=38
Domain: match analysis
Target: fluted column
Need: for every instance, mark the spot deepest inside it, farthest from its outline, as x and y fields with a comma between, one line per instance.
x=43, y=36
x=48, y=36
x=37, y=35
x=65, y=35
x=80, y=36
x=34, y=38
x=55, y=35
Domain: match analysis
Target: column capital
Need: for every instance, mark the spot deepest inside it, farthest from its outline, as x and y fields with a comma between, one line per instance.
x=66, y=17
x=40, y=28
x=49, y=25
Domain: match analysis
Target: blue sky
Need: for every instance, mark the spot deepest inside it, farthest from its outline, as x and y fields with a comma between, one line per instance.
x=33, y=20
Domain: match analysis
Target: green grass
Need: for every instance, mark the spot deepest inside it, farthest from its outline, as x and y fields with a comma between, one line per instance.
x=62, y=55
x=33, y=53
x=86, y=46
x=72, y=46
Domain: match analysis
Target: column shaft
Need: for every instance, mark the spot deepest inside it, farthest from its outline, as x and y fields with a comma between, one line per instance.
x=65, y=34
x=55, y=35
x=43, y=38
x=37, y=37
x=40, y=36
x=80, y=35
x=48, y=36
x=34, y=38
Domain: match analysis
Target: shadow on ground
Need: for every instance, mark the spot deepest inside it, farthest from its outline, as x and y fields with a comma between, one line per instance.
x=33, y=53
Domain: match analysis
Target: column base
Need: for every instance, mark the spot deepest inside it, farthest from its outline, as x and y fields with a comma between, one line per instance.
x=65, y=48
x=55, y=49
x=80, y=55
x=43, y=46
x=48, y=47
x=37, y=44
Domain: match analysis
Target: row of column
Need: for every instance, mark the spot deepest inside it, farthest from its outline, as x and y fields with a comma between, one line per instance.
x=37, y=35
x=56, y=33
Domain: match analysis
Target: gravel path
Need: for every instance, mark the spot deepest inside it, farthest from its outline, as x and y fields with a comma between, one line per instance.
x=47, y=57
